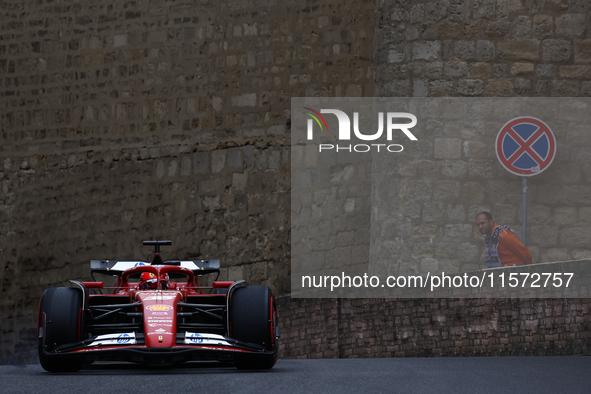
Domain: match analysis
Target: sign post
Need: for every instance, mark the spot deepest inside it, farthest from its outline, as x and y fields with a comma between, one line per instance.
x=525, y=146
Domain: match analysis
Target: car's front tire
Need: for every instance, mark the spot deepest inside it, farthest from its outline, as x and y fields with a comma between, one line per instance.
x=252, y=320
x=60, y=312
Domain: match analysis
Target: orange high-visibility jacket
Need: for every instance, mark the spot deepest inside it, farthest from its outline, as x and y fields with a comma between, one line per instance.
x=511, y=250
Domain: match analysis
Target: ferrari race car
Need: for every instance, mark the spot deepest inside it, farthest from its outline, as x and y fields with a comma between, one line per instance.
x=157, y=314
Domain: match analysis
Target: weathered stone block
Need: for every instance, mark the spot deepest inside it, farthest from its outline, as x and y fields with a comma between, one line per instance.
x=576, y=110
x=450, y=148
x=473, y=193
x=565, y=216
x=470, y=30
x=423, y=249
x=454, y=169
x=417, y=13
x=419, y=190
x=436, y=10
x=543, y=236
x=395, y=88
x=497, y=29
x=499, y=87
x=274, y=160
x=579, y=254
x=433, y=212
x=542, y=26
x=419, y=88
x=234, y=157
x=210, y=185
x=218, y=160
x=522, y=69
x=453, y=109
x=339, y=257
x=236, y=273
x=172, y=168
x=536, y=213
x=484, y=8
x=549, y=194
x=474, y=149
x=458, y=231
x=455, y=213
x=446, y=190
x=479, y=70
x=519, y=50
x=428, y=50
x=396, y=56
x=556, y=51
x=160, y=169
x=500, y=70
x=449, y=30
x=245, y=100
x=470, y=87
x=555, y=5
x=464, y=50
x=239, y=181
x=565, y=88
x=504, y=213
x=585, y=214
x=441, y=88
x=583, y=51
x=186, y=166
x=570, y=25
x=467, y=252
x=563, y=173
x=412, y=210
x=444, y=249
x=577, y=194
x=481, y=168
x=429, y=264
x=522, y=26
x=575, y=236
x=574, y=71
x=210, y=202
x=485, y=50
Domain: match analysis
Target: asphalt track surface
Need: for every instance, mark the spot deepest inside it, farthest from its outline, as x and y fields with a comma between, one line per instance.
x=560, y=374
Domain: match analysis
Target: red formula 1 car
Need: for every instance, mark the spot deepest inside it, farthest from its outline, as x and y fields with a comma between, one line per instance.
x=157, y=314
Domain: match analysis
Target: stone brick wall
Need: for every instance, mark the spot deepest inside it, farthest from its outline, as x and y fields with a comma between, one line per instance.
x=471, y=49
x=125, y=121
x=490, y=48
x=344, y=328
x=483, y=48
x=425, y=216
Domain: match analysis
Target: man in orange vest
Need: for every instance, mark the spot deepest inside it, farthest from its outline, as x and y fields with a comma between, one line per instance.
x=502, y=245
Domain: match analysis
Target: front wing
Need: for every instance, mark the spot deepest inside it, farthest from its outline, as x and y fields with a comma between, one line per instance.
x=190, y=347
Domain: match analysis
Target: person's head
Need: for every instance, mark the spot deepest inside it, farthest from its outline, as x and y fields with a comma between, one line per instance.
x=485, y=223
x=148, y=281
x=164, y=281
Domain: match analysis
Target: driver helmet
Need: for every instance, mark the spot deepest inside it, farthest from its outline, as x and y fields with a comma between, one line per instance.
x=164, y=280
x=148, y=281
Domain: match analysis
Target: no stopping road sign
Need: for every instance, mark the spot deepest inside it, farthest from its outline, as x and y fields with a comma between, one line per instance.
x=525, y=146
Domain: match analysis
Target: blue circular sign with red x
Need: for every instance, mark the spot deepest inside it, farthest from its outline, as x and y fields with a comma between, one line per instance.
x=525, y=146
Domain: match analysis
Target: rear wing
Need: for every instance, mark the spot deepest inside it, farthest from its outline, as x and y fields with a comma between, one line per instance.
x=116, y=267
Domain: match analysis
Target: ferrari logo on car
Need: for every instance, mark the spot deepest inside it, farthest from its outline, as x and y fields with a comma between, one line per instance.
x=159, y=307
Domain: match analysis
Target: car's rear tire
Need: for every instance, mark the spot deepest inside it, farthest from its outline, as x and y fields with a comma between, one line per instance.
x=60, y=317
x=252, y=320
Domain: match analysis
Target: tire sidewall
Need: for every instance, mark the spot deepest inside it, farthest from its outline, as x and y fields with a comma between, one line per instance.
x=60, y=312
